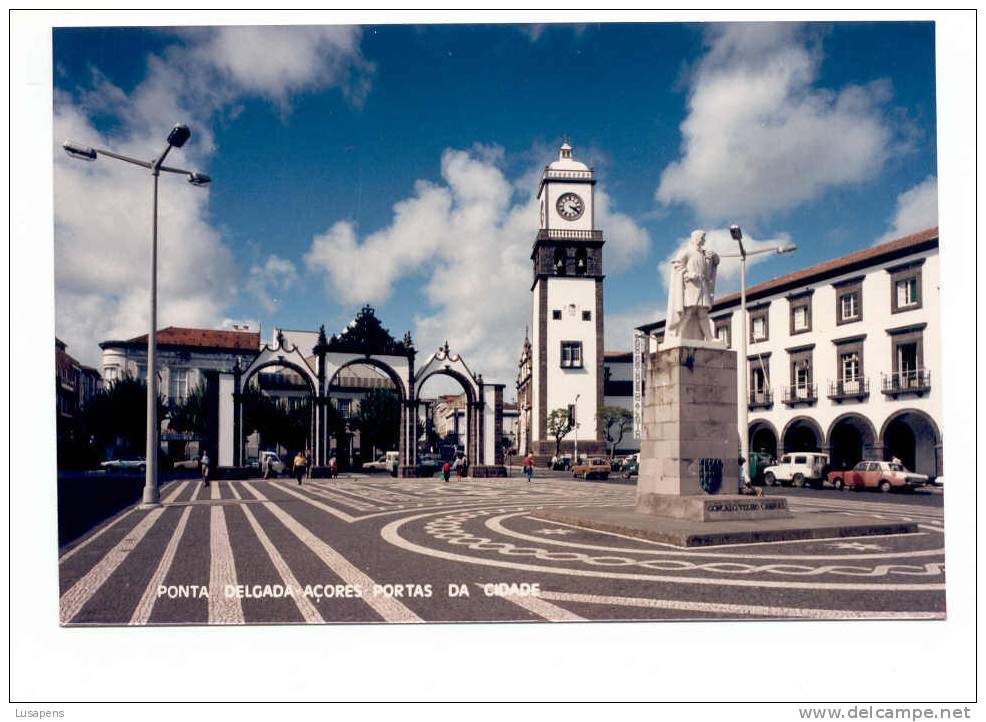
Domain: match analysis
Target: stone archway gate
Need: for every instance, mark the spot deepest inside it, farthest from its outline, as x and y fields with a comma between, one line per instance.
x=366, y=341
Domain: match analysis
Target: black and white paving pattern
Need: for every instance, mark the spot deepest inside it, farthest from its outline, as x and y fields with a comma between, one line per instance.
x=376, y=549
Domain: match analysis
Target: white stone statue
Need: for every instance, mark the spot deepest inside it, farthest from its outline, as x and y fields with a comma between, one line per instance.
x=693, y=283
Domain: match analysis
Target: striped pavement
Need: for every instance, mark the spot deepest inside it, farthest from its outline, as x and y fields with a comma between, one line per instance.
x=371, y=550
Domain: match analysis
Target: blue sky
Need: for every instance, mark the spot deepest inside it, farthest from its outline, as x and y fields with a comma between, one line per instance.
x=396, y=165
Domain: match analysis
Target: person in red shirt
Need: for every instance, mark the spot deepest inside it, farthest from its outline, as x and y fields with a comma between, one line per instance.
x=446, y=472
x=529, y=466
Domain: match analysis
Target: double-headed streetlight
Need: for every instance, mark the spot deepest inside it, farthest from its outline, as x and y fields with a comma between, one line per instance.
x=176, y=139
x=744, y=410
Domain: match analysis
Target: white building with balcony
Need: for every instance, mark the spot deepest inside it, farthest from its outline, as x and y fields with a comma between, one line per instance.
x=844, y=357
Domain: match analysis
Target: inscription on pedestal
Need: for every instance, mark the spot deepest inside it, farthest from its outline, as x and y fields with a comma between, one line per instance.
x=732, y=509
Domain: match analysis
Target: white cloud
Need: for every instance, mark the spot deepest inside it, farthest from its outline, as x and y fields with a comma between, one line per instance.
x=269, y=279
x=103, y=209
x=760, y=137
x=470, y=239
x=276, y=61
x=728, y=272
x=917, y=210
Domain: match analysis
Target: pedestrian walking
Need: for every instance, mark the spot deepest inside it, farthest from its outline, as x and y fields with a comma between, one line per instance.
x=299, y=467
x=458, y=468
x=446, y=471
x=529, y=467
x=204, y=468
x=464, y=467
x=308, y=462
x=333, y=467
x=267, y=467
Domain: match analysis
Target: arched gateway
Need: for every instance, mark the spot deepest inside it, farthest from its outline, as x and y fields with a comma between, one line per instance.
x=366, y=341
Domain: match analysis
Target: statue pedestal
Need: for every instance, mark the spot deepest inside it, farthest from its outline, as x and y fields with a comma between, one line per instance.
x=689, y=468
x=689, y=451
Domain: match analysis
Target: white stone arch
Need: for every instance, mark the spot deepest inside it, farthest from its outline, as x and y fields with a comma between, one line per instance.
x=484, y=409
x=282, y=354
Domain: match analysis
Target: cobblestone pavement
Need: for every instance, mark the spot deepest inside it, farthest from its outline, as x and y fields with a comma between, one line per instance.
x=372, y=549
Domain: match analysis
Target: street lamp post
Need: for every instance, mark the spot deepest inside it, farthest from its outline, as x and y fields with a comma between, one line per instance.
x=743, y=407
x=176, y=139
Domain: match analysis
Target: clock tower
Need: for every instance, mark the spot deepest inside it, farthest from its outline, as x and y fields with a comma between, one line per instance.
x=566, y=353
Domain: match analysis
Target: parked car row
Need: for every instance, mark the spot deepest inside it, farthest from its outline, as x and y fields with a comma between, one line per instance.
x=813, y=469
x=883, y=475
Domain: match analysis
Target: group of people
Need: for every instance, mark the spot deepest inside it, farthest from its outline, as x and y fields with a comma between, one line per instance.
x=460, y=466
x=302, y=467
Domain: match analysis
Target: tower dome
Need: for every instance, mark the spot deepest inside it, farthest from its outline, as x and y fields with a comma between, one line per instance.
x=565, y=160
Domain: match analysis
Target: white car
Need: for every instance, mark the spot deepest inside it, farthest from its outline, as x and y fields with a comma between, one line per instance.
x=387, y=462
x=277, y=465
x=127, y=463
x=798, y=469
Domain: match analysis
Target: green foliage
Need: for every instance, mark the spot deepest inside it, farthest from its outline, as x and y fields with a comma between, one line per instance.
x=190, y=415
x=615, y=421
x=378, y=419
x=118, y=413
x=277, y=424
x=558, y=427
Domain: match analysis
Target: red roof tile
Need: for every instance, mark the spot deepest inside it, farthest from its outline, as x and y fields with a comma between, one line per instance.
x=616, y=356
x=833, y=266
x=203, y=338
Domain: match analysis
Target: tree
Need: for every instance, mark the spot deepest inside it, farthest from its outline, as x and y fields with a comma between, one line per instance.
x=118, y=414
x=378, y=420
x=558, y=426
x=190, y=414
x=262, y=413
x=618, y=417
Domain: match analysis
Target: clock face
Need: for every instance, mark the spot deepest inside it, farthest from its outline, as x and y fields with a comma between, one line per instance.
x=570, y=206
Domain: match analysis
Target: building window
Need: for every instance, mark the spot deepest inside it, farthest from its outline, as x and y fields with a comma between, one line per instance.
x=849, y=306
x=849, y=299
x=905, y=287
x=800, y=314
x=850, y=372
x=344, y=407
x=802, y=377
x=177, y=384
x=571, y=354
x=724, y=332
x=111, y=373
x=556, y=315
x=587, y=315
x=759, y=374
x=907, y=293
x=759, y=328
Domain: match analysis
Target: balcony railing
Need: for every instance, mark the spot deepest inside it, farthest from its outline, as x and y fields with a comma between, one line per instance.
x=841, y=390
x=800, y=394
x=761, y=399
x=570, y=174
x=558, y=234
x=917, y=381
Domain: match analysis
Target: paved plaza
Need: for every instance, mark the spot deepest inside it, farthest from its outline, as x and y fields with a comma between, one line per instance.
x=376, y=549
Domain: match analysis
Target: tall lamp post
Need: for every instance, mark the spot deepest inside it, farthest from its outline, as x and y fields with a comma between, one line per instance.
x=176, y=139
x=743, y=407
